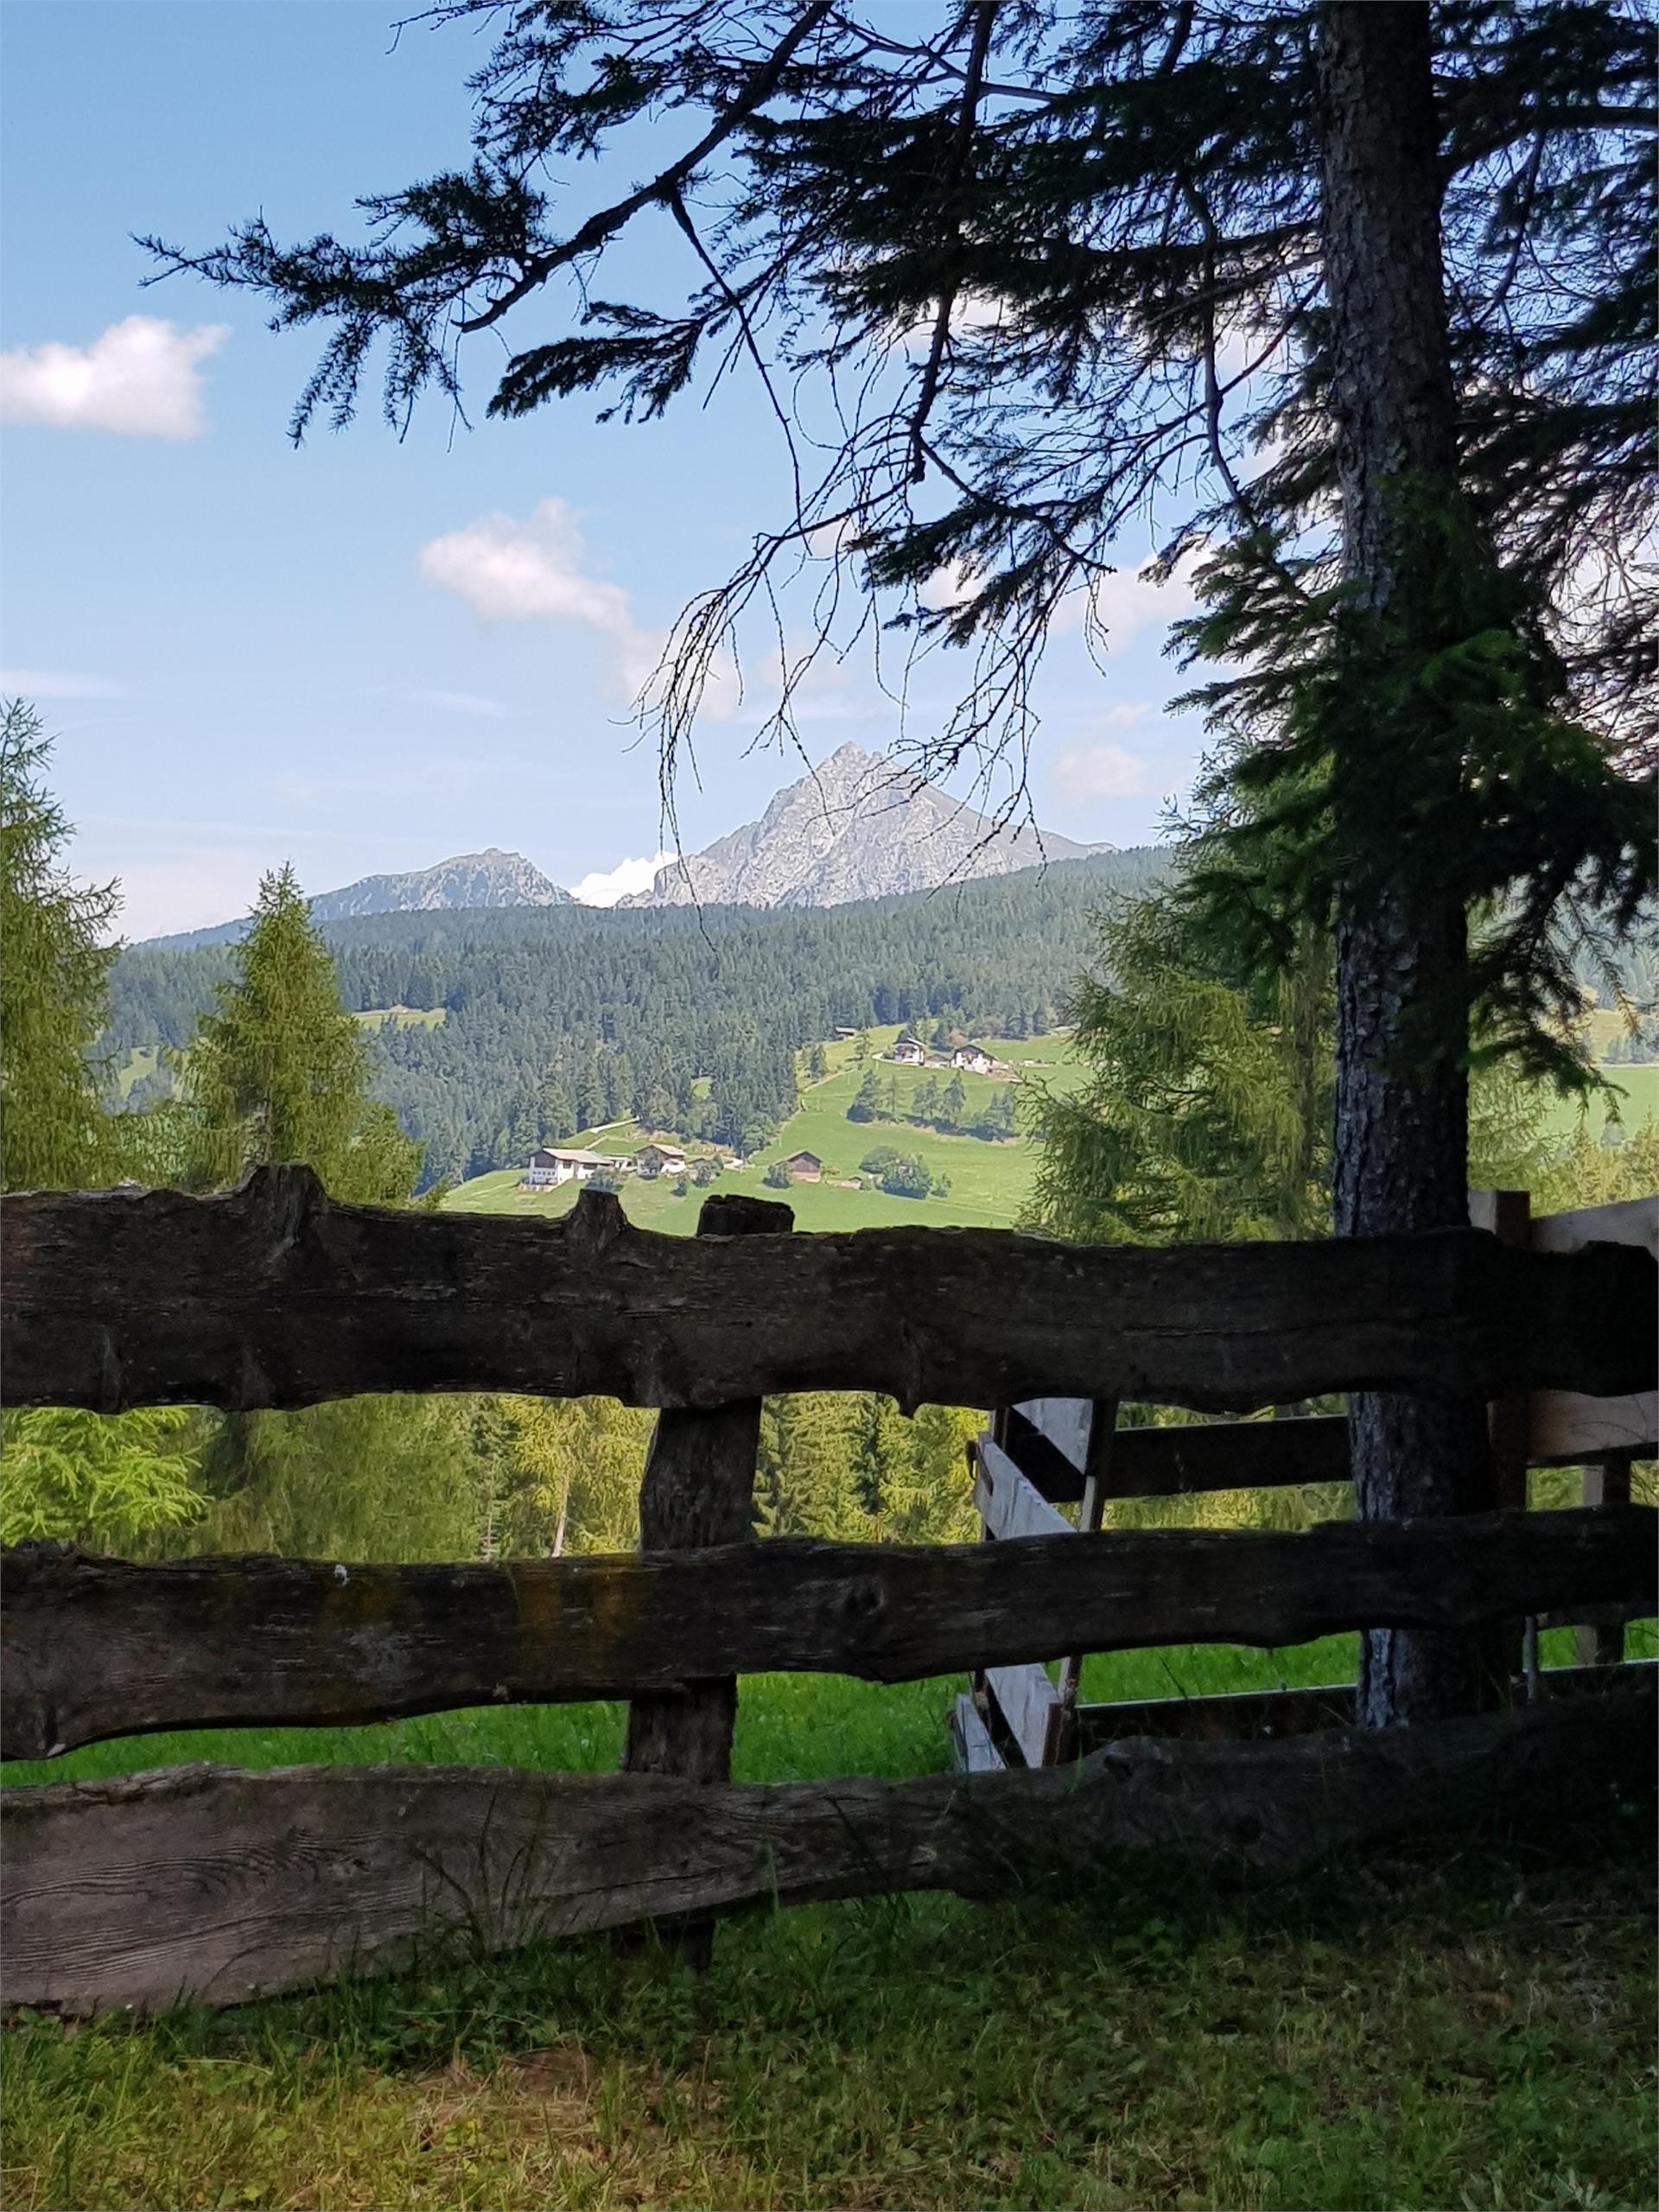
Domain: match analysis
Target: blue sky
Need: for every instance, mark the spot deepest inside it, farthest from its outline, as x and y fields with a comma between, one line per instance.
x=368, y=654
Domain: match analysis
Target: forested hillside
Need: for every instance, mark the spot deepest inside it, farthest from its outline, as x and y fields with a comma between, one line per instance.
x=559, y=1018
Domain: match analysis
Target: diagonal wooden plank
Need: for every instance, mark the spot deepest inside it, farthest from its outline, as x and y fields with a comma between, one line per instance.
x=1009, y=1504
x=1030, y=1705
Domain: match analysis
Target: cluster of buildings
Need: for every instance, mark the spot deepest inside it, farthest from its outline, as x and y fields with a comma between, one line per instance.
x=911, y=1053
x=550, y=1164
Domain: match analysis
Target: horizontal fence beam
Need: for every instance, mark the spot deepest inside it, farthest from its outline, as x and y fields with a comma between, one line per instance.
x=97, y=1648
x=213, y=1884
x=275, y=1295
x=1202, y=1456
x=1246, y=1715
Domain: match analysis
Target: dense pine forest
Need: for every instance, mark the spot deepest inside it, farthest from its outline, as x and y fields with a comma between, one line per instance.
x=556, y=1019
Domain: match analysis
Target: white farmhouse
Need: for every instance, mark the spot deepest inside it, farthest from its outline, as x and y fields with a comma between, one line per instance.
x=548, y=1165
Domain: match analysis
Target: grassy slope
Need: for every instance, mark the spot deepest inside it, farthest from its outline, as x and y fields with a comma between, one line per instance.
x=1640, y=1103
x=1476, y=2035
x=141, y=1060
x=989, y=1182
x=404, y=1017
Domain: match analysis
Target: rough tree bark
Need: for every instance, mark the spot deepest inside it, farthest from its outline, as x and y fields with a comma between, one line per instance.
x=1401, y=1117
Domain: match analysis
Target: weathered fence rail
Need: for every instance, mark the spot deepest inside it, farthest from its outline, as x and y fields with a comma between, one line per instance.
x=211, y=1882
x=275, y=1295
x=97, y=1647
x=1051, y=1452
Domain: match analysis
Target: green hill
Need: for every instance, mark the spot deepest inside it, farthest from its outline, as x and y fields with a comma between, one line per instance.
x=990, y=1182
x=512, y=1025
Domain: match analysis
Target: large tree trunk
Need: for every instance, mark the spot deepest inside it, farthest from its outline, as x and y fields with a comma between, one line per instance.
x=1402, y=1114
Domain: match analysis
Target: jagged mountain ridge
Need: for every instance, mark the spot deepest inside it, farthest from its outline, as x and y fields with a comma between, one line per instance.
x=491, y=878
x=851, y=829
x=854, y=829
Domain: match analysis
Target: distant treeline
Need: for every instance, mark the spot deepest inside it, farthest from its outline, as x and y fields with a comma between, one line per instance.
x=561, y=1018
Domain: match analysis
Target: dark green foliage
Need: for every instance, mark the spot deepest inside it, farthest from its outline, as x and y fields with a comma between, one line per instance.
x=1207, y=1111
x=902, y=1175
x=1129, y=182
x=280, y=1071
x=56, y=955
x=866, y=1103
x=1550, y=855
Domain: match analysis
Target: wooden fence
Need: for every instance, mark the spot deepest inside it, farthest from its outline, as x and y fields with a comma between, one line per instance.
x=213, y=1883
x=1052, y=1452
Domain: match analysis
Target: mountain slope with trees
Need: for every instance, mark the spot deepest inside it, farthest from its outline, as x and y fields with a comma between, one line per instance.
x=564, y=1018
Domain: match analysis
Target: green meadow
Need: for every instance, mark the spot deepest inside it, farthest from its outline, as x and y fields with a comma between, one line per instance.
x=1426, y=2031
x=989, y=1181
x=1638, y=1104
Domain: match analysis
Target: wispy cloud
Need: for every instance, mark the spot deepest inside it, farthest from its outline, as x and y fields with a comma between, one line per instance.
x=465, y=703
x=141, y=378
x=536, y=571
x=510, y=571
x=1125, y=602
x=475, y=703
x=620, y=882
x=56, y=683
x=1095, y=771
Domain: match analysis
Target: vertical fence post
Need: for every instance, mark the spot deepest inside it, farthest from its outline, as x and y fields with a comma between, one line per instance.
x=1607, y=1482
x=1096, y=1488
x=698, y=1490
x=1507, y=1215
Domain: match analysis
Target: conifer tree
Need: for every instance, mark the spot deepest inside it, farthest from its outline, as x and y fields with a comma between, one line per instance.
x=803, y=1475
x=1372, y=277
x=280, y=1071
x=866, y=1104
x=1207, y=1110
x=880, y=1449
x=120, y=1482
x=55, y=951
x=930, y=1492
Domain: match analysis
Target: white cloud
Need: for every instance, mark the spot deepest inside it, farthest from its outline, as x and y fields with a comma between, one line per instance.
x=1125, y=602
x=55, y=684
x=141, y=378
x=948, y=587
x=1093, y=771
x=626, y=877
x=511, y=571
x=459, y=703
x=531, y=571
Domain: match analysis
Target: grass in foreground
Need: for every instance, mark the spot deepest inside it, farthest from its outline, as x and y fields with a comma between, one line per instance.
x=1476, y=2032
